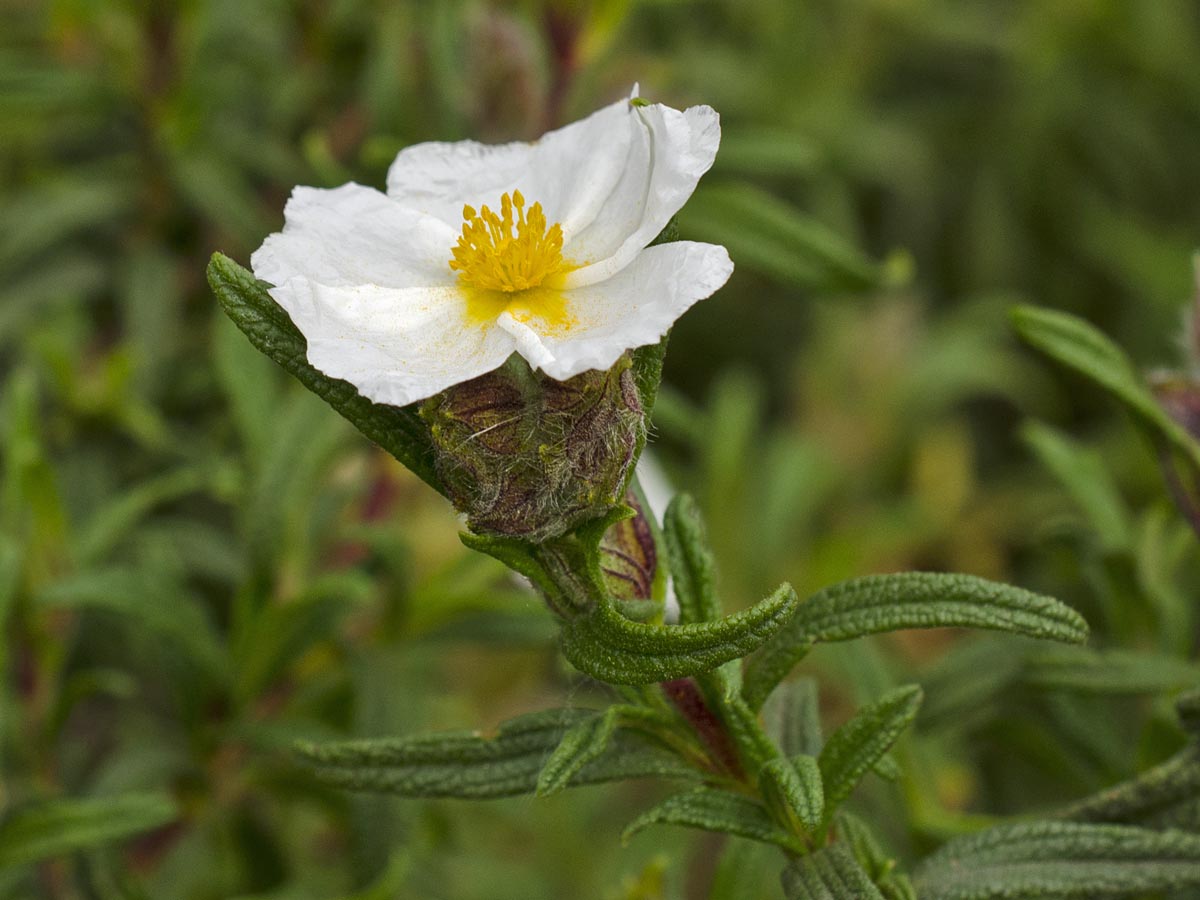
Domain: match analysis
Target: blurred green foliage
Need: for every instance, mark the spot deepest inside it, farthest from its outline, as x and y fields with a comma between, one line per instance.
x=200, y=563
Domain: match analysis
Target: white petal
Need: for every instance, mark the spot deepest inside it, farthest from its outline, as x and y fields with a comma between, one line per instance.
x=354, y=235
x=635, y=307
x=570, y=171
x=671, y=150
x=396, y=345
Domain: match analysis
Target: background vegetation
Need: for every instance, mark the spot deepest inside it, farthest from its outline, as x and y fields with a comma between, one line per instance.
x=200, y=562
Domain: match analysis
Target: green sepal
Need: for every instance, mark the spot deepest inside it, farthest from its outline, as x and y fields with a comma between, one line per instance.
x=586, y=741
x=855, y=748
x=604, y=644
x=793, y=788
x=1082, y=347
x=1063, y=860
x=877, y=603
x=398, y=430
x=709, y=809
x=832, y=873
x=469, y=765
x=58, y=827
x=692, y=568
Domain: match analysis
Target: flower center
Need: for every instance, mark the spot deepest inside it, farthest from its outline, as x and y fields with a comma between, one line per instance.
x=490, y=256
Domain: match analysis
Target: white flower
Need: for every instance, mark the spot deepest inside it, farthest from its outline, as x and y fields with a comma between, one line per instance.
x=477, y=251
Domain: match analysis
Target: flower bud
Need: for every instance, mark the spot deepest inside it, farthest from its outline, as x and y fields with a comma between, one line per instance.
x=529, y=457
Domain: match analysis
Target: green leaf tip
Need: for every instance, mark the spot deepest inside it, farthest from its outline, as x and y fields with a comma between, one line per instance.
x=878, y=603
x=1085, y=349
x=609, y=647
x=710, y=809
x=856, y=747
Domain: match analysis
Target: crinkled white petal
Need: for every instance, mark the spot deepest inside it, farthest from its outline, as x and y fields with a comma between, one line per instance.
x=571, y=171
x=354, y=235
x=396, y=345
x=635, y=307
x=671, y=150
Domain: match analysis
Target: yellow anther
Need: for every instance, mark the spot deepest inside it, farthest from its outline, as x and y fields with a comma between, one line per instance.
x=500, y=253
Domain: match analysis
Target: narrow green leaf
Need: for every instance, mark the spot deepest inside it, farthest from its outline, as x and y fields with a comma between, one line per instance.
x=831, y=873
x=772, y=237
x=606, y=645
x=714, y=810
x=1149, y=799
x=279, y=634
x=468, y=765
x=585, y=741
x=150, y=600
x=879, y=865
x=57, y=827
x=1113, y=672
x=794, y=787
x=692, y=568
x=858, y=745
x=879, y=603
x=793, y=717
x=1083, y=474
x=1085, y=349
x=1061, y=860
x=398, y=430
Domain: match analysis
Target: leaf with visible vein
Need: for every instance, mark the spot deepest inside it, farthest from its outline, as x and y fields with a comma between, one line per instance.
x=606, y=645
x=692, y=567
x=709, y=809
x=857, y=746
x=469, y=765
x=1061, y=861
x=831, y=873
x=880, y=603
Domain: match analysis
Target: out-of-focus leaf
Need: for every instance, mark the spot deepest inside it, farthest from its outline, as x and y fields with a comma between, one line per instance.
x=150, y=600
x=1061, y=860
x=772, y=237
x=1114, y=672
x=281, y=633
x=879, y=603
x=1085, y=349
x=709, y=809
x=766, y=152
x=1085, y=477
x=57, y=827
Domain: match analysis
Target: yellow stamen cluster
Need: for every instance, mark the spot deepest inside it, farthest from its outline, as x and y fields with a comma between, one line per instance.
x=491, y=257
